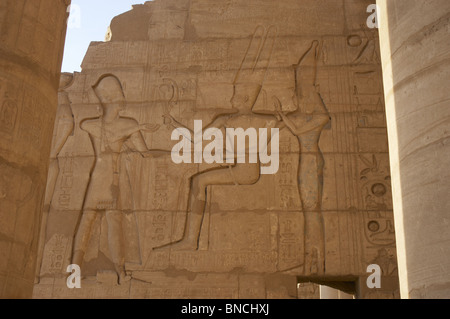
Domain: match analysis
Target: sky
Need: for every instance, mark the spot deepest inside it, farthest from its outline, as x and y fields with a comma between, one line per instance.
x=89, y=22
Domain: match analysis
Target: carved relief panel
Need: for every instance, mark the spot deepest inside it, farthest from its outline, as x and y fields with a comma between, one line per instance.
x=131, y=214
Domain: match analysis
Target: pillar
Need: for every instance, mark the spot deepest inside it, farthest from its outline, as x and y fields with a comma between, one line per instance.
x=415, y=49
x=32, y=34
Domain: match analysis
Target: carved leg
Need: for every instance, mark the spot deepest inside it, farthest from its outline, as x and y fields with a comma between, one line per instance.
x=200, y=182
x=53, y=173
x=314, y=244
x=310, y=181
x=82, y=237
x=116, y=243
x=192, y=229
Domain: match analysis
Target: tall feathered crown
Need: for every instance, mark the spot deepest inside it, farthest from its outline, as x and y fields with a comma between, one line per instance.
x=256, y=61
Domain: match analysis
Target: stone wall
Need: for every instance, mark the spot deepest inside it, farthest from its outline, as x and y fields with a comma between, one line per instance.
x=141, y=226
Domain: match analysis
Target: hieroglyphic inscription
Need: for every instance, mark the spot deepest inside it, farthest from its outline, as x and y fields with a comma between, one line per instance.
x=57, y=253
x=33, y=129
x=9, y=109
x=290, y=248
x=66, y=182
x=286, y=176
x=159, y=226
x=8, y=116
x=161, y=187
x=186, y=66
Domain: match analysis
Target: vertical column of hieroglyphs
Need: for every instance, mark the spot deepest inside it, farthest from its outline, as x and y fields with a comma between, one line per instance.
x=32, y=34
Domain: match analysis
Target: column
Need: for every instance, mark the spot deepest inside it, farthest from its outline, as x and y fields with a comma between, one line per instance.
x=32, y=34
x=415, y=49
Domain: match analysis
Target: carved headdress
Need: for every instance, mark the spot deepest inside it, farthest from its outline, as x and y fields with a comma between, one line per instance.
x=109, y=89
x=254, y=66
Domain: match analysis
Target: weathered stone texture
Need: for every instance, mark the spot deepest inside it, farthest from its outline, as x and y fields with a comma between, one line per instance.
x=32, y=36
x=324, y=216
x=415, y=38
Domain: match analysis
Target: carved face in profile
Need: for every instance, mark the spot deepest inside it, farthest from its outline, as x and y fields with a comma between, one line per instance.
x=245, y=95
x=114, y=107
x=110, y=93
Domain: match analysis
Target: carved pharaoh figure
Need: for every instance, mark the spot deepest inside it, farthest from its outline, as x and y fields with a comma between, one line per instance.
x=109, y=133
x=247, y=87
